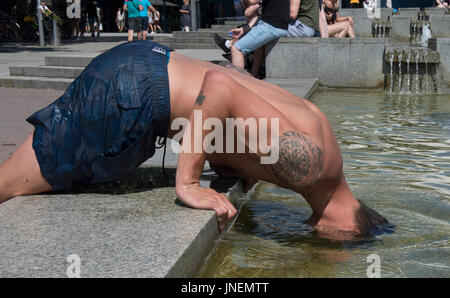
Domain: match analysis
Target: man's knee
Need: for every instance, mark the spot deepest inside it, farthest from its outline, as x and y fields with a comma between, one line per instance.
x=235, y=50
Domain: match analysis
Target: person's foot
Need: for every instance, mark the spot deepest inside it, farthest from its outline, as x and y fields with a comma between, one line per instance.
x=92, y=35
x=98, y=34
x=221, y=43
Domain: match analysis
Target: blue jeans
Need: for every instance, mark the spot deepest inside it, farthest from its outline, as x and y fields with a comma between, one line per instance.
x=298, y=29
x=258, y=36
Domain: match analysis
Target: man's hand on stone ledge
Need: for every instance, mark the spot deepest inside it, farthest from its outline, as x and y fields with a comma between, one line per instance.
x=198, y=197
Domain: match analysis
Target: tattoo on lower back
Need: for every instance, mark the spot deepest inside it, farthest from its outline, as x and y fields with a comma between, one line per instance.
x=200, y=98
x=300, y=161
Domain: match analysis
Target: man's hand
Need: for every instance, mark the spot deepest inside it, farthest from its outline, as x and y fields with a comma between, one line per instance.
x=198, y=197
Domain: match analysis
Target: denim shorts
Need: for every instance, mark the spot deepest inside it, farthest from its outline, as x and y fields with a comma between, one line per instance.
x=298, y=29
x=258, y=36
x=107, y=121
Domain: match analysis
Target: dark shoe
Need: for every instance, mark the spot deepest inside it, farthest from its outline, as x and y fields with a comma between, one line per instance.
x=227, y=56
x=221, y=43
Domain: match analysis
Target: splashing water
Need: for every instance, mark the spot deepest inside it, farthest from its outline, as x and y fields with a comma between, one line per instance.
x=391, y=69
x=417, y=71
x=426, y=78
x=408, y=76
x=400, y=56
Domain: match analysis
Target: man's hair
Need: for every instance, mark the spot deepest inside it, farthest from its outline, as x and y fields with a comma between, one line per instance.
x=368, y=221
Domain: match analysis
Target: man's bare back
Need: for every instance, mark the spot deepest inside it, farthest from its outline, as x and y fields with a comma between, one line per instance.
x=310, y=160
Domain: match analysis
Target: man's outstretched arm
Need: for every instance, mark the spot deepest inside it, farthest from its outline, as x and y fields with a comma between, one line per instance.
x=212, y=101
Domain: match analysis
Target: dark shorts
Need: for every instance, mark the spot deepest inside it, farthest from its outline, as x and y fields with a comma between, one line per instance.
x=135, y=24
x=92, y=21
x=106, y=123
x=144, y=23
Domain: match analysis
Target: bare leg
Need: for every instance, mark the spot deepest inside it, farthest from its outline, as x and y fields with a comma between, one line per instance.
x=130, y=35
x=336, y=29
x=20, y=174
x=350, y=31
x=237, y=57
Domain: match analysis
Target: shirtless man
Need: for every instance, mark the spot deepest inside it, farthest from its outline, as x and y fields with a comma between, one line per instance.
x=107, y=121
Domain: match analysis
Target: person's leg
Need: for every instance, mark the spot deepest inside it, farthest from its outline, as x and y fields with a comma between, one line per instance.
x=343, y=33
x=335, y=29
x=258, y=56
x=130, y=35
x=258, y=36
x=144, y=24
x=298, y=29
x=350, y=31
x=130, y=29
x=237, y=57
x=20, y=174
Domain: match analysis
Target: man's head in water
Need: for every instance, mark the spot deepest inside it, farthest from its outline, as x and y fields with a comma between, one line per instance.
x=368, y=221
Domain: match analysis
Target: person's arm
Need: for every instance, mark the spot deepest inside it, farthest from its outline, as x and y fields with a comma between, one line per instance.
x=293, y=9
x=49, y=10
x=212, y=101
x=340, y=18
x=252, y=10
x=323, y=26
x=125, y=7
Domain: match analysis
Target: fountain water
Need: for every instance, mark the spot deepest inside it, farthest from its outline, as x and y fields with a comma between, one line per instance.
x=391, y=70
x=381, y=28
x=401, y=79
x=400, y=56
x=416, y=57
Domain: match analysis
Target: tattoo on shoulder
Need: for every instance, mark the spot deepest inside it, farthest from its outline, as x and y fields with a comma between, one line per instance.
x=300, y=161
x=200, y=98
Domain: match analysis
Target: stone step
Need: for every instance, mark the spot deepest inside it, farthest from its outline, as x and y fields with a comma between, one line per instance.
x=46, y=71
x=235, y=23
x=223, y=27
x=34, y=82
x=213, y=30
x=69, y=61
x=179, y=45
x=193, y=40
x=204, y=33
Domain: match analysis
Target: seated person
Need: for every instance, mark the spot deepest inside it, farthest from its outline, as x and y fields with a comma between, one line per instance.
x=304, y=16
x=273, y=24
x=338, y=26
x=107, y=122
x=252, y=15
x=441, y=3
